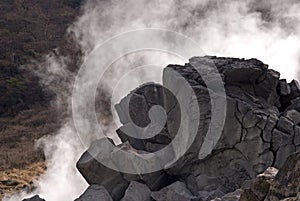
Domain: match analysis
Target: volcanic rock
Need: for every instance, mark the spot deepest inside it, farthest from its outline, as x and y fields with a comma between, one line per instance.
x=175, y=191
x=34, y=198
x=273, y=186
x=137, y=192
x=260, y=115
x=93, y=193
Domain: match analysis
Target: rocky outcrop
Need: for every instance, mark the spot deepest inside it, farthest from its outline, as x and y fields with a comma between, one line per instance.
x=261, y=129
x=273, y=186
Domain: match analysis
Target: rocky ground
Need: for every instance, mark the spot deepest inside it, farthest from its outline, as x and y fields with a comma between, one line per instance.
x=255, y=158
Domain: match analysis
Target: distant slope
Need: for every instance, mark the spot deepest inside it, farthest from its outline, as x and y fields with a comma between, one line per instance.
x=29, y=29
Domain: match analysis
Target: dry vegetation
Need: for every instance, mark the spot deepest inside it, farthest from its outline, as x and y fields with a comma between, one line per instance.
x=15, y=180
x=29, y=29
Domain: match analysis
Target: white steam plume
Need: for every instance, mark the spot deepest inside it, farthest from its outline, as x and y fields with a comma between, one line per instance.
x=267, y=30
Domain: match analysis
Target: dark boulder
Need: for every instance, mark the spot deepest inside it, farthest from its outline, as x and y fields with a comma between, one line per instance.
x=34, y=198
x=95, y=192
x=137, y=192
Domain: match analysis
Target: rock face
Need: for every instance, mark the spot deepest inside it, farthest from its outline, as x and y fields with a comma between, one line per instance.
x=176, y=191
x=261, y=129
x=137, y=192
x=273, y=186
x=95, y=192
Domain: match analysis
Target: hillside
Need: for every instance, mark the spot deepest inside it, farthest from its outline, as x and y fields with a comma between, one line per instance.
x=29, y=29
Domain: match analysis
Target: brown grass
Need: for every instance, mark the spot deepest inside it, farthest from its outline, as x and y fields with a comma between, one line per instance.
x=15, y=180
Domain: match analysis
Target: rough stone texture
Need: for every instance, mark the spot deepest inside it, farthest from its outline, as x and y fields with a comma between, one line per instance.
x=260, y=185
x=276, y=185
x=175, y=191
x=287, y=181
x=90, y=169
x=234, y=196
x=115, y=182
x=34, y=198
x=137, y=192
x=93, y=193
x=255, y=135
x=261, y=130
x=140, y=101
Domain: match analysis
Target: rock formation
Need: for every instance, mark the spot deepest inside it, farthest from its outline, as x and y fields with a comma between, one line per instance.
x=261, y=129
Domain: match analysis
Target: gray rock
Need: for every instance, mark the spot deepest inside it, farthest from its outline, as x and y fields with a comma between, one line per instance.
x=137, y=192
x=260, y=186
x=137, y=122
x=297, y=136
x=283, y=88
x=276, y=185
x=295, y=89
x=34, y=198
x=294, y=105
x=176, y=191
x=286, y=182
x=282, y=154
x=260, y=131
x=293, y=115
x=280, y=139
x=94, y=171
x=95, y=192
x=114, y=181
x=234, y=196
x=285, y=125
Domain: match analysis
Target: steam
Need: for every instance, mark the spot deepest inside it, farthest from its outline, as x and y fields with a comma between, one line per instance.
x=267, y=30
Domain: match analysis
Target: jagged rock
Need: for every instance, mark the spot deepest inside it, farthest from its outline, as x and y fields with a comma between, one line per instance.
x=95, y=172
x=137, y=192
x=295, y=89
x=135, y=108
x=176, y=191
x=260, y=131
x=289, y=99
x=283, y=88
x=95, y=192
x=261, y=185
x=286, y=182
x=234, y=196
x=281, y=139
x=210, y=195
x=34, y=198
x=250, y=119
x=285, y=125
x=293, y=115
x=295, y=105
x=276, y=185
x=115, y=182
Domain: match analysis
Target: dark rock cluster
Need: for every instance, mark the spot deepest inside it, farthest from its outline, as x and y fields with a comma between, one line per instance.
x=261, y=129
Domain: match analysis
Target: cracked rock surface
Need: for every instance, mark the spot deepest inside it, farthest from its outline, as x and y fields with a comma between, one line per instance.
x=262, y=128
